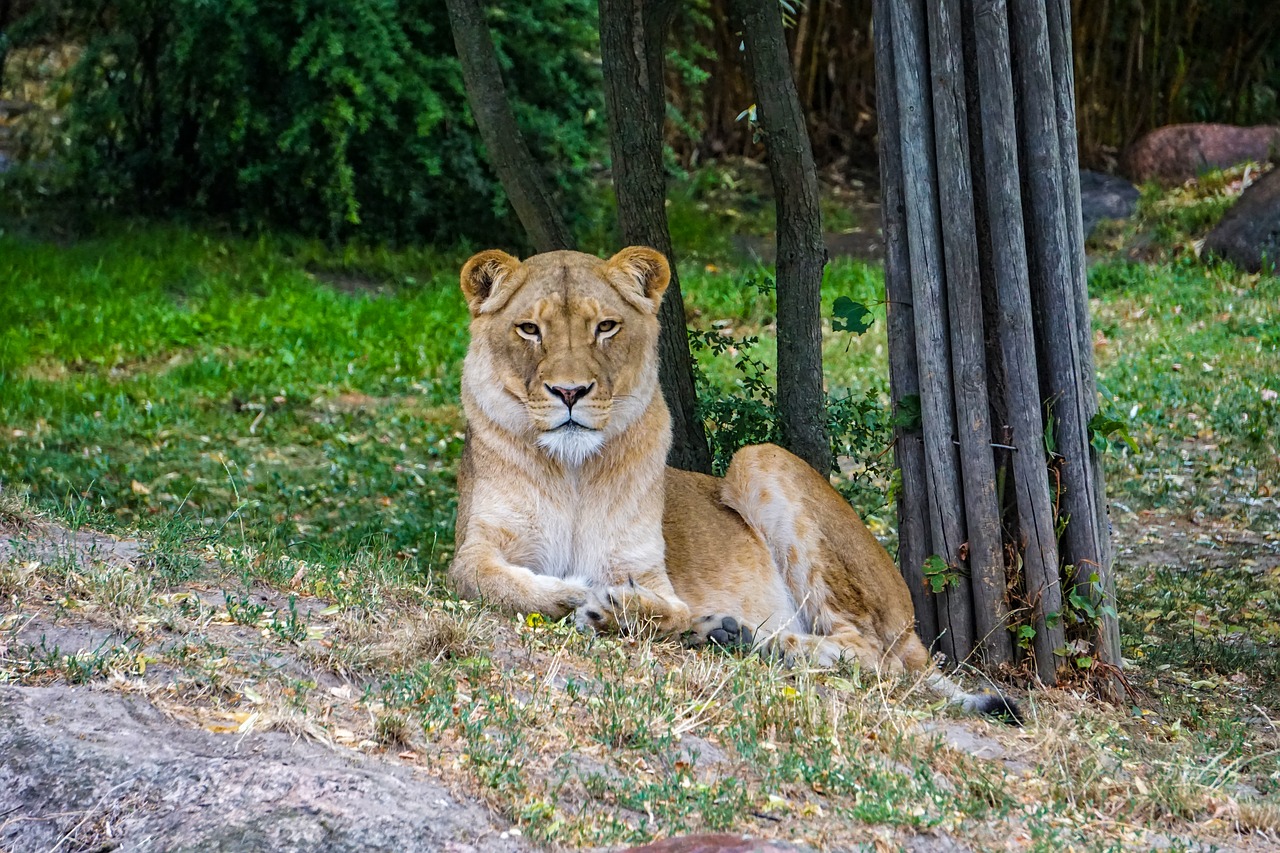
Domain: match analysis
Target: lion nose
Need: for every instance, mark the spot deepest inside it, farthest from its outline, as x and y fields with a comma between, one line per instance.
x=571, y=395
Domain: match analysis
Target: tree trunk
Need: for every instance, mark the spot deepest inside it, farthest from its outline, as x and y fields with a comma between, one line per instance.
x=519, y=173
x=801, y=251
x=632, y=35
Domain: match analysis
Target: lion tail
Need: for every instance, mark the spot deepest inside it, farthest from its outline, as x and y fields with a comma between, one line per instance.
x=995, y=705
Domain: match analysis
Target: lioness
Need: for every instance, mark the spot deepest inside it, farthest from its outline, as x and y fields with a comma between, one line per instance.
x=566, y=504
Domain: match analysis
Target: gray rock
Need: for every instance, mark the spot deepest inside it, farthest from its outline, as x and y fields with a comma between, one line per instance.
x=90, y=770
x=1249, y=235
x=1105, y=196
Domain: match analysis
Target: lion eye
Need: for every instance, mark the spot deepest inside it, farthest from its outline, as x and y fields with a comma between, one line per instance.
x=529, y=330
x=606, y=326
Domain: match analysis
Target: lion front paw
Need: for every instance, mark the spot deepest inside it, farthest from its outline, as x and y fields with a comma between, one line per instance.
x=721, y=630
x=557, y=599
x=596, y=613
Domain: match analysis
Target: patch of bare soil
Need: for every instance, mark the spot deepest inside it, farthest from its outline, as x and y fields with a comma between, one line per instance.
x=1165, y=538
x=352, y=284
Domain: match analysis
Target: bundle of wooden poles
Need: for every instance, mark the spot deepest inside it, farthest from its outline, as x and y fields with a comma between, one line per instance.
x=989, y=328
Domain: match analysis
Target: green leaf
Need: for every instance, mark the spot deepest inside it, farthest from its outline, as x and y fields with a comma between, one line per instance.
x=1106, y=430
x=939, y=574
x=1084, y=662
x=850, y=316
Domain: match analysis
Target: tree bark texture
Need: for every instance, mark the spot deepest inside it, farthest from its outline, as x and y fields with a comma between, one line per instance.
x=983, y=238
x=802, y=253
x=908, y=443
x=632, y=36
x=520, y=174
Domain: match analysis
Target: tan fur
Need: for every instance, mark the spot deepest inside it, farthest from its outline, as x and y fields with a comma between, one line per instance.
x=616, y=536
x=552, y=522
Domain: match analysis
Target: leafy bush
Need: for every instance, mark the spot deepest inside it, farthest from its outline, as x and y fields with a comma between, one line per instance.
x=859, y=425
x=337, y=118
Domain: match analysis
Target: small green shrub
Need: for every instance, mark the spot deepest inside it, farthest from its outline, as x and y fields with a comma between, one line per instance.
x=860, y=425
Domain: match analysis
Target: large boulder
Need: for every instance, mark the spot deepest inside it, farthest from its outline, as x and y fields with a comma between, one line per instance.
x=1174, y=154
x=1105, y=197
x=82, y=769
x=1249, y=235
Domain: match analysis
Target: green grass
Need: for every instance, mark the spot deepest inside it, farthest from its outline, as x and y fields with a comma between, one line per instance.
x=1189, y=353
x=161, y=373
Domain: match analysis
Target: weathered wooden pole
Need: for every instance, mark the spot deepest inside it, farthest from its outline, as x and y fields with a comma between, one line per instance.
x=1088, y=544
x=913, y=531
x=928, y=296
x=1035, y=523
x=964, y=314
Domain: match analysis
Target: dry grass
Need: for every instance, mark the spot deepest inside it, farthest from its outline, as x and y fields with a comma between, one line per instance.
x=363, y=642
x=582, y=741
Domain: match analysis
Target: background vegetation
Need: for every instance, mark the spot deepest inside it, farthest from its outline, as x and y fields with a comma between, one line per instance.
x=325, y=117
x=348, y=119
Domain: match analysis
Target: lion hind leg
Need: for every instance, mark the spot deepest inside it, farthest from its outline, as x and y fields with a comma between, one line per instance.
x=782, y=499
x=758, y=488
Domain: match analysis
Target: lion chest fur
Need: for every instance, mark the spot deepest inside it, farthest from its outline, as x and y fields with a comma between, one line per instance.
x=599, y=522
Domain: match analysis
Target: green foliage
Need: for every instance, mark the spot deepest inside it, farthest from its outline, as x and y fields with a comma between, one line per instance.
x=850, y=316
x=335, y=118
x=746, y=412
x=1108, y=430
x=907, y=413
x=939, y=575
x=242, y=609
x=687, y=59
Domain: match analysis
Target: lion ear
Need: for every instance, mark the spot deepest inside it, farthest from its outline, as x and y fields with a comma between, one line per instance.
x=648, y=269
x=484, y=274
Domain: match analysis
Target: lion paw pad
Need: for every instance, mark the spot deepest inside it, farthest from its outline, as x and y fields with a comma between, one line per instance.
x=724, y=631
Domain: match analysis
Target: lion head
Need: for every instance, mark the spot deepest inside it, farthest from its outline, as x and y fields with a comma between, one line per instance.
x=563, y=348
